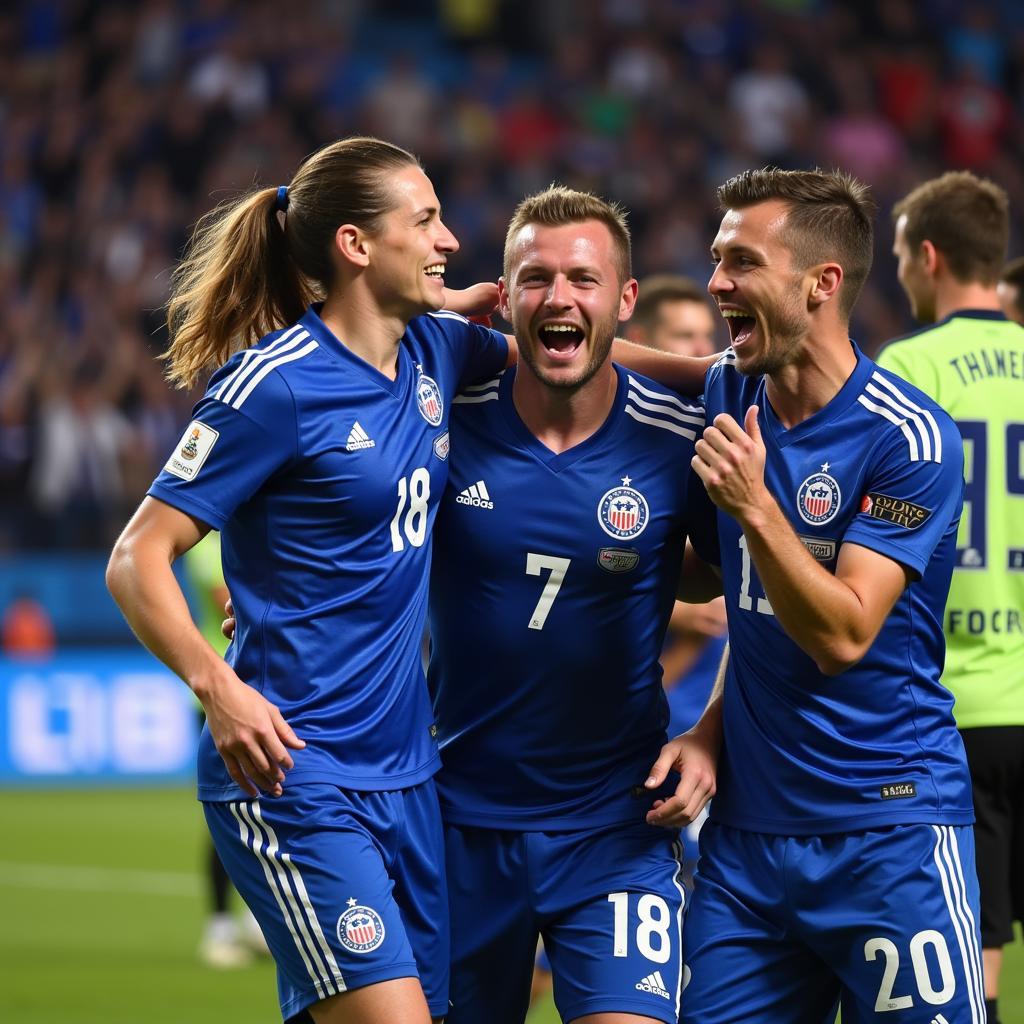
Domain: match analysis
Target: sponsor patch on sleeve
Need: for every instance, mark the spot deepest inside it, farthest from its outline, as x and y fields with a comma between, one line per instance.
x=894, y=510
x=195, y=445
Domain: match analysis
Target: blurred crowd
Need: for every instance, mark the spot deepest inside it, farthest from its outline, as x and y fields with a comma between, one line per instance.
x=122, y=122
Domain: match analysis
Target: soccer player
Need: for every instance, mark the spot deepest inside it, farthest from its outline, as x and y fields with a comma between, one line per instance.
x=673, y=314
x=838, y=860
x=558, y=546
x=1010, y=290
x=950, y=239
x=320, y=453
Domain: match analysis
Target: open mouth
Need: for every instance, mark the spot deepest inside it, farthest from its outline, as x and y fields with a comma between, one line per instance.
x=740, y=323
x=561, y=340
x=436, y=271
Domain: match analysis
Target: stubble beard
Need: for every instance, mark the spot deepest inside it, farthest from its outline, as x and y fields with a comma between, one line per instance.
x=602, y=337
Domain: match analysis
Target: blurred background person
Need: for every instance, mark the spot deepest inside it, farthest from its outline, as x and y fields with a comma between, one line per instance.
x=1010, y=290
x=951, y=236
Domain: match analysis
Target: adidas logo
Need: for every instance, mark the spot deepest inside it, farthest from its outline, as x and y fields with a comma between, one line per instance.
x=939, y=1019
x=358, y=438
x=476, y=496
x=653, y=983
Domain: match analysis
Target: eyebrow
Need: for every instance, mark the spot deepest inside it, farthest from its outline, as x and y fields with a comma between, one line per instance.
x=431, y=210
x=737, y=250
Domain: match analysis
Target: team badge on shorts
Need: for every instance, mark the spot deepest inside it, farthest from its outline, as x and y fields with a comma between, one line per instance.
x=818, y=499
x=623, y=511
x=360, y=929
x=428, y=398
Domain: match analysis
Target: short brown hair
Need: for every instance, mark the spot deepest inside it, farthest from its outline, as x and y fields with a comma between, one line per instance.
x=558, y=205
x=830, y=215
x=661, y=288
x=965, y=217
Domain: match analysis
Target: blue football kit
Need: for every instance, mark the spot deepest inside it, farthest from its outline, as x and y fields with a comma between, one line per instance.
x=554, y=577
x=839, y=857
x=324, y=476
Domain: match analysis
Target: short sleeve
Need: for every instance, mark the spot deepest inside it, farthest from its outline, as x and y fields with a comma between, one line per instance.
x=229, y=451
x=910, y=501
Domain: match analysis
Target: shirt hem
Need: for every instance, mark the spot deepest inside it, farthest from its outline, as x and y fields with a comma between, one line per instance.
x=860, y=823
x=356, y=783
x=546, y=823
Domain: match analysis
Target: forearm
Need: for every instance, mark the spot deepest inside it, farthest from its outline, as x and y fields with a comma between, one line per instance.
x=140, y=579
x=684, y=374
x=819, y=612
x=709, y=726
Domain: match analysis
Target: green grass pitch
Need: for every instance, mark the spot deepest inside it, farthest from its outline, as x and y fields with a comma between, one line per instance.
x=103, y=906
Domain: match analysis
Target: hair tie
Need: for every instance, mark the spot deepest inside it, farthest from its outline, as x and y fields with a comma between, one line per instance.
x=282, y=199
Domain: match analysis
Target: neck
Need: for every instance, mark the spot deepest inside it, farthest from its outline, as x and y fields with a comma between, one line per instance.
x=562, y=419
x=952, y=296
x=359, y=323
x=808, y=383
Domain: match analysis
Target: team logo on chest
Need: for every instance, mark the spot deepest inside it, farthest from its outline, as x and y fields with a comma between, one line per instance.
x=428, y=398
x=360, y=929
x=818, y=498
x=623, y=511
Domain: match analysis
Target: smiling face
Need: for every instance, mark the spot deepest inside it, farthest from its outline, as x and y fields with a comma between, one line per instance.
x=411, y=247
x=564, y=299
x=913, y=275
x=757, y=288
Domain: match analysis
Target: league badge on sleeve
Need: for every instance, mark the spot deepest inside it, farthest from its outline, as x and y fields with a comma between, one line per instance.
x=428, y=399
x=623, y=511
x=818, y=498
x=196, y=443
x=360, y=928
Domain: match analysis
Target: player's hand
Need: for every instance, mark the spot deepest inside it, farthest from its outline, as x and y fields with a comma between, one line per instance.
x=695, y=759
x=478, y=300
x=227, y=627
x=730, y=460
x=250, y=734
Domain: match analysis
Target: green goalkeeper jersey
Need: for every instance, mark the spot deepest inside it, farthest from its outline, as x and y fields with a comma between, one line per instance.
x=972, y=363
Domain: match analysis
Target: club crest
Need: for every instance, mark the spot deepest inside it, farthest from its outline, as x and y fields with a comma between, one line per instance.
x=428, y=398
x=360, y=929
x=818, y=498
x=623, y=511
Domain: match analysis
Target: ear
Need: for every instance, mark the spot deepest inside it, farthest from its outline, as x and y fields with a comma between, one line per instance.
x=826, y=280
x=627, y=300
x=504, y=306
x=352, y=244
x=930, y=257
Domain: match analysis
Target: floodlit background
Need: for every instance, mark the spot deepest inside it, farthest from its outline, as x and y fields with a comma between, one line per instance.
x=121, y=123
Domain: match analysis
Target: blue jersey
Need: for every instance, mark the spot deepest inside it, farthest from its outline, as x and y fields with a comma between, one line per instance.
x=323, y=477
x=554, y=577
x=880, y=466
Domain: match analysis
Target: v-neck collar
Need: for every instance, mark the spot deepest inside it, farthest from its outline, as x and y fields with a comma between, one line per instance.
x=323, y=334
x=556, y=462
x=840, y=402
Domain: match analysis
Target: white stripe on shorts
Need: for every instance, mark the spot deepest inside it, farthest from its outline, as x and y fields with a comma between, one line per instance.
x=677, y=850
x=298, y=918
x=951, y=875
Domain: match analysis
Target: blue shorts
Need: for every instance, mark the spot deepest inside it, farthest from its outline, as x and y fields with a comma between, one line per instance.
x=347, y=887
x=779, y=929
x=608, y=902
